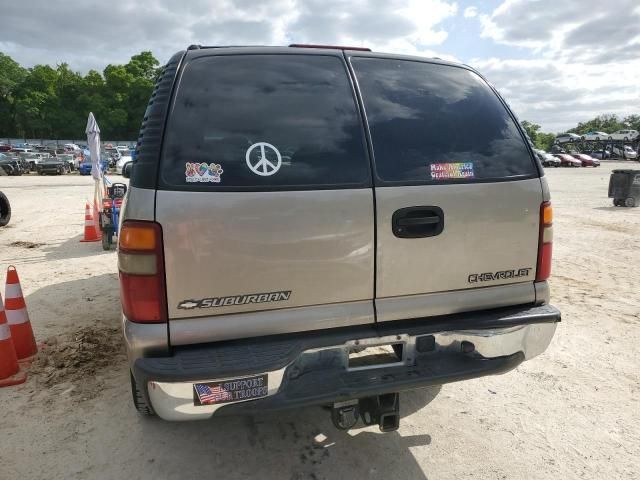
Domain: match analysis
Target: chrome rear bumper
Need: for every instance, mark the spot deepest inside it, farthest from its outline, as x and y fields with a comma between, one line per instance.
x=301, y=374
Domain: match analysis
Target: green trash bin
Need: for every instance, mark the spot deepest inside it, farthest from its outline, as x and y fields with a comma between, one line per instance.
x=624, y=188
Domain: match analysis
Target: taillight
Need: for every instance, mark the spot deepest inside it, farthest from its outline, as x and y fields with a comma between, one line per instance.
x=545, y=242
x=141, y=266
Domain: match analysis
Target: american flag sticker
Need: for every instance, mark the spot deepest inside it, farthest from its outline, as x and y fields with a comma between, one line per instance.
x=233, y=390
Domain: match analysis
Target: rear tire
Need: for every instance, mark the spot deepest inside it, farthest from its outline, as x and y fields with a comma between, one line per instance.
x=630, y=202
x=139, y=402
x=5, y=210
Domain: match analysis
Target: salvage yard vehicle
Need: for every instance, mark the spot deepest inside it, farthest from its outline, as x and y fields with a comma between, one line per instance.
x=567, y=137
x=5, y=210
x=52, y=166
x=597, y=136
x=321, y=234
x=625, y=152
x=547, y=159
x=567, y=160
x=586, y=160
x=626, y=135
x=12, y=165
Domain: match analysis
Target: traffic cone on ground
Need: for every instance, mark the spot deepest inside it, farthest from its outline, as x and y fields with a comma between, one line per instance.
x=17, y=317
x=90, y=231
x=10, y=373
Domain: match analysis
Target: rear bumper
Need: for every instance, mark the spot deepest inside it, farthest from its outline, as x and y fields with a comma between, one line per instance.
x=312, y=368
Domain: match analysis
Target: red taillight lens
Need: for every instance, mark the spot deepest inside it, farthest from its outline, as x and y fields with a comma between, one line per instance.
x=141, y=266
x=545, y=242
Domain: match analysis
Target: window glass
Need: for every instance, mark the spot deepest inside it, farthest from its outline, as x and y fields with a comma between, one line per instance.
x=264, y=121
x=435, y=123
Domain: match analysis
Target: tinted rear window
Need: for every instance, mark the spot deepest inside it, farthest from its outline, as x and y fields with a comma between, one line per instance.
x=437, y=123
x=264, y=121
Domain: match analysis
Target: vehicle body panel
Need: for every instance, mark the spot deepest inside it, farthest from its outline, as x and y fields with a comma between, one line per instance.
x=316, y=244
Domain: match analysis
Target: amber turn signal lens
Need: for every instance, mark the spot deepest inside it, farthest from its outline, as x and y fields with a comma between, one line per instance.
x=137, y=237
x=547, y=214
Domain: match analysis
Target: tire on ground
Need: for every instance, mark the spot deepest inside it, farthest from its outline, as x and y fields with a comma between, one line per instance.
x=139, y=402
x=5, y=210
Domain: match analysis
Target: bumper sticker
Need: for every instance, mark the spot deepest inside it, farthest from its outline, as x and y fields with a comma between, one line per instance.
x=203, y=172
x=444, y=171
x=233, y=390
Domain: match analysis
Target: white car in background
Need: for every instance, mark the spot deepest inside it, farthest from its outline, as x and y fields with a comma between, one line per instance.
x=626, y=135
x=567, y=137
x=625, y=152
x=595, y=136
x=124, y=162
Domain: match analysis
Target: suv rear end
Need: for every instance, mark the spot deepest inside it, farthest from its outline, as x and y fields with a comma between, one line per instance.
x=327, y=226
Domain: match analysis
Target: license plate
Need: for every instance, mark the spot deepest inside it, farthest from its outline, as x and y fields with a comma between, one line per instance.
x=230, y=390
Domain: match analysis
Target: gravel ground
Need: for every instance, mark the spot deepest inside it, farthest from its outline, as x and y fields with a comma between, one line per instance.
x=572, y=412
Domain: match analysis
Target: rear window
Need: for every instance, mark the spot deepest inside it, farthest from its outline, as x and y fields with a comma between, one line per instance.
x=436, y=123
x=264, y=121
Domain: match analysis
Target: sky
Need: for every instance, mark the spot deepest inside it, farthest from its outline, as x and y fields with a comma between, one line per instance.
x=556, y=62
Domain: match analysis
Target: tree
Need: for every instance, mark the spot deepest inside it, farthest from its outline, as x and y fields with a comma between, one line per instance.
x=54, y=102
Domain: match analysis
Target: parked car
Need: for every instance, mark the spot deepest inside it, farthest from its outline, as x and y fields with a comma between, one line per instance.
x=33, y=159
x=248, y=246
x=52, y=166
x=5, y=147
x=599, y=154
x=72, y=147
x=124, y=163
x=567, y=137
x=72, y=162
x=587, y=161
x=626, y=135
x=11, y=165
x=85, y=166
x=547, y=159
x=595, y=136
x=567, y=160
x=625, y=152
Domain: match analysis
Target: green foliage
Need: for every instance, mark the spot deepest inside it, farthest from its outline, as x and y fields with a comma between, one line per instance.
x=46, y=102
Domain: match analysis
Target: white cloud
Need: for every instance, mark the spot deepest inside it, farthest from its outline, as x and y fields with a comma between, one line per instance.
x=559, y=96
x=42, y=31
x=470, y=12
x=587, y=30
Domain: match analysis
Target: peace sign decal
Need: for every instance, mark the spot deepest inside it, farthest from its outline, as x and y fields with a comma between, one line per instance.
x=263, y=166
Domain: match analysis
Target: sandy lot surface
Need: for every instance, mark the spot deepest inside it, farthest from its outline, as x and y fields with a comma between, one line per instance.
x=571, y=413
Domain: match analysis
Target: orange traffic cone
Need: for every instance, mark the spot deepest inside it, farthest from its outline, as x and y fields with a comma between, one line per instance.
x=10, y=373
x=90, y=231
x=16, y=311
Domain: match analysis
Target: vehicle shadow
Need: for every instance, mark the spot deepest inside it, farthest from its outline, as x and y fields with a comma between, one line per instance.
x=292, y=444
x=612, y=208
x=74, y=248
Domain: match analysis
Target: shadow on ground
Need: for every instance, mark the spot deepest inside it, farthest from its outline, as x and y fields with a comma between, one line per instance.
x=293, y=444
x=76, y=303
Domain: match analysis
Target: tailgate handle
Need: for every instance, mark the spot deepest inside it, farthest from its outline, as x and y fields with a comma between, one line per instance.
x=417, y=222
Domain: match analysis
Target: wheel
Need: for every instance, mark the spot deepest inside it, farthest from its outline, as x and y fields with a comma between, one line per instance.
x=107, y=239
x=5, y=210
x=630, y=202
x=139, y=402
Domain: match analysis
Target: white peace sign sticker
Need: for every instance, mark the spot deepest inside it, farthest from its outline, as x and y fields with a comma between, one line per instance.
x=263, y=167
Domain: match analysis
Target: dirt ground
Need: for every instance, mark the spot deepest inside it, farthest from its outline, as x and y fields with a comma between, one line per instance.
x=572, y=412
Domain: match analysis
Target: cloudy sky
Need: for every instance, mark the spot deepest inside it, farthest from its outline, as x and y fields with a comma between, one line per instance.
x=557, y=62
